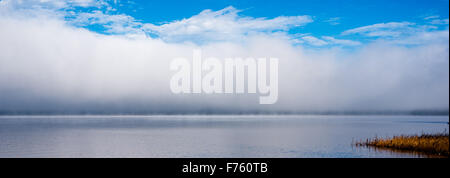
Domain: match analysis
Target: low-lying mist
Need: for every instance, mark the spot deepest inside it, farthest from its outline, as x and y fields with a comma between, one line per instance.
x=49, y=66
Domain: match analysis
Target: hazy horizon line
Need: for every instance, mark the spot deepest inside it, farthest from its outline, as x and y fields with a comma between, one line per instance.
x=440, y=112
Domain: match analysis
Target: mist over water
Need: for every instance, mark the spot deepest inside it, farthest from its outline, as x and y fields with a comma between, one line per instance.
x=46, y=65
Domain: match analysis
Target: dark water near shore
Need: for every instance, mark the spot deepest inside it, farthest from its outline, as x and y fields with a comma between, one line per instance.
x=206, y=136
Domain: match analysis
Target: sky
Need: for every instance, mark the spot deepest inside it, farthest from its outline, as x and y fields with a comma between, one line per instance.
x=331, y=18
x=113, y=55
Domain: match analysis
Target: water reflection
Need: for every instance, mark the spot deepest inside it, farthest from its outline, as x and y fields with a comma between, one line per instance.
x=205, y=136
x=393, y=152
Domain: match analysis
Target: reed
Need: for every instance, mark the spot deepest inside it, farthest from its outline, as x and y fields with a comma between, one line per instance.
x=434, y=144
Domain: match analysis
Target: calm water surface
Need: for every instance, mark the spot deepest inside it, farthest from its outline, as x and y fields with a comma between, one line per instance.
x=205, y=136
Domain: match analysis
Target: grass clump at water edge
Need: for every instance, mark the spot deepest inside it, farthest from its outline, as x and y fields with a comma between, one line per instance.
x=433, y=144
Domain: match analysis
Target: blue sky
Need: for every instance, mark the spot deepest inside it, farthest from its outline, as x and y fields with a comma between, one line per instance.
x=319, y=23
x=351, y=13
x=331, y=18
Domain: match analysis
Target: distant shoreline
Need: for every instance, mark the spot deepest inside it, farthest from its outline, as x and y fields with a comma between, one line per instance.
x=210, y=112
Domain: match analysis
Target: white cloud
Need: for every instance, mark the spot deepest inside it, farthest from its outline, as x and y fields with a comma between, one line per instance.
x=391, y=29
x=333, y=21
x=44, y=63
x=422, y=38
x=435, y=20
x=404, y=33
x=326, y=41
x=314, y=41
x=333, y=40
x=225, y=24
x=114, y=24
x=439, y=22
x=100, y=13
x=431, y=17
x=208, y=26
x=52, y=4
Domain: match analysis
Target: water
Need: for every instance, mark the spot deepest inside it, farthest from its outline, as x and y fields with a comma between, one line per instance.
x=206, y=136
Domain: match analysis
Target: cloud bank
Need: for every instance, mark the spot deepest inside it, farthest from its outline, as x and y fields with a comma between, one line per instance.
x=49, y=63
x=222, y=25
